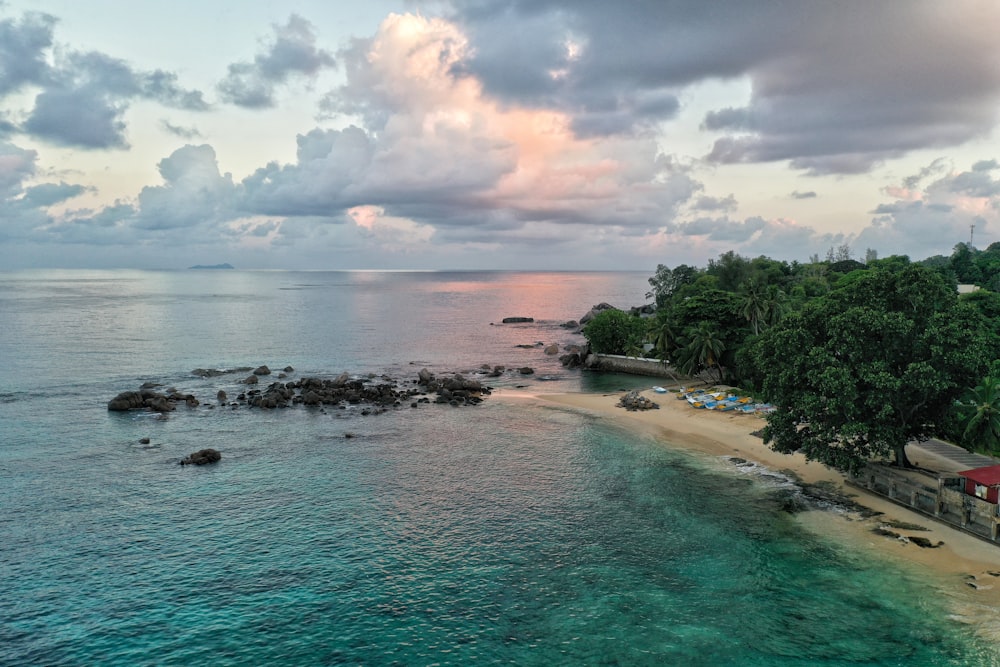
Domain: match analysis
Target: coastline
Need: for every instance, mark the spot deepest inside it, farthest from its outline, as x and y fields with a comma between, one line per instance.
x=964, y=569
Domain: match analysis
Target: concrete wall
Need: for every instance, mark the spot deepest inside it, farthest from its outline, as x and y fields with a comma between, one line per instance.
x=945, y=502
x=614, y=363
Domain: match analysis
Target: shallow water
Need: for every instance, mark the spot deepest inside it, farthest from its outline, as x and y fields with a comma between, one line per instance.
x=508, y=533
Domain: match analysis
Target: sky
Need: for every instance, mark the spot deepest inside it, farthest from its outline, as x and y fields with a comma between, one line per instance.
x=494, y=134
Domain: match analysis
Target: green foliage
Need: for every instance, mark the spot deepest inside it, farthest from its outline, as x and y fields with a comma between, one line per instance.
x=860, y=372
x=664, y=335
x=979, y=413
x=860, y=358
x=615, y=332
x=730, y=270
x=666, y=282
x=703, y=350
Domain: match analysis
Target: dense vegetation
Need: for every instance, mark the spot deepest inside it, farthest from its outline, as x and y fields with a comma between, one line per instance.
x=859, y=357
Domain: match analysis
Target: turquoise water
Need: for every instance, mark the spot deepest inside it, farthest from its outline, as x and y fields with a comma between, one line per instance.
x=508, y=533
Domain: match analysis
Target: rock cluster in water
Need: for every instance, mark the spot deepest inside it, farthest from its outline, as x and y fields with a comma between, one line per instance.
x=374, y=395
x=148, y=398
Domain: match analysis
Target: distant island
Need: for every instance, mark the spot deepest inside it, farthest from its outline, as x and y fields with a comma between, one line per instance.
x=211, y=266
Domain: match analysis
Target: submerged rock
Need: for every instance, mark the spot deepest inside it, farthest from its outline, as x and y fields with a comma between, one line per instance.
x=202, y=457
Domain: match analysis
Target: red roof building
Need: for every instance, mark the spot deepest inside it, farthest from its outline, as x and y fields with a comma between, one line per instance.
x=983, y=483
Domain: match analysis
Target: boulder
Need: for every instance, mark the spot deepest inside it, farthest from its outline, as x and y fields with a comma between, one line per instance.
x=552, y=349
x=127, y=400
x=517, y=320
x=251, y=379
x=593, y=312
x=202, y=457
x=262, y=370
x=526, y=370
x=571, y=360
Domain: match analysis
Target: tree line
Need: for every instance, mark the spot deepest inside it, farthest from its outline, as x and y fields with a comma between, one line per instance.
x=859, y=358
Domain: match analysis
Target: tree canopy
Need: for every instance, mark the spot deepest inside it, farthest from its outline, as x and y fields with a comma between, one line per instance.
x=614, y=331
x=862, y=371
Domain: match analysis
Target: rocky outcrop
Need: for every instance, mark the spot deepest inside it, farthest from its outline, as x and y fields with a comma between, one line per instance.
x=633, y=401
x=593, y=312
x=148, y=399
x=517, y=320
x=215, y=372
x=373, y=395
x=202, y=457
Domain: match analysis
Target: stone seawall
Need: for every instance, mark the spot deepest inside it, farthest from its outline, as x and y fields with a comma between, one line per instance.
x=614, y=363
x=940, y=498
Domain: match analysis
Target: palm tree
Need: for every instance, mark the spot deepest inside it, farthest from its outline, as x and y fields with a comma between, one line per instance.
x=664, y=337
x=775, y=305
x=982, y=409
x=754, y=304
x=704, y=349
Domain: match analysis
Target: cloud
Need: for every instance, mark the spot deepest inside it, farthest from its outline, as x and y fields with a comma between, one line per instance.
x=723, y=229
x=986, y=165
x=194, y=193
x=23, y=47
x=85, y=103
x=83, y=96
x=81, y=117
x=438, y=151
x=48, y=194
x=922, y=222
x=836, y=88
x=16, y=165
x=715, y=203
x=178, y=131
x=803, y=195
x=292, y=52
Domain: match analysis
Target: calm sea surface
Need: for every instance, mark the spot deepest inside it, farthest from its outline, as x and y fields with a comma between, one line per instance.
x=508, y=533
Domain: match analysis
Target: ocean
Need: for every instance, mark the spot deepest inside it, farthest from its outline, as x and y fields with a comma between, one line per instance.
x=512, y=532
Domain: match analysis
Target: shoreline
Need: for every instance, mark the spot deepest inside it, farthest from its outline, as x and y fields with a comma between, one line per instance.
x=965, y=569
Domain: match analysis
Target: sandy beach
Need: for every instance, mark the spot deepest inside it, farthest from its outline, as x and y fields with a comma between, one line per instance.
x=964, y=569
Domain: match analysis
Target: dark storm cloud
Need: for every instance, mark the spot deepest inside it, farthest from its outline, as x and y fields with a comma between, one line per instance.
x=836, y=87
x=292, y=51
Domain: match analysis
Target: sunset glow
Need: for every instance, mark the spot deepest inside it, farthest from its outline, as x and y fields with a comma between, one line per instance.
x=461, y=130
